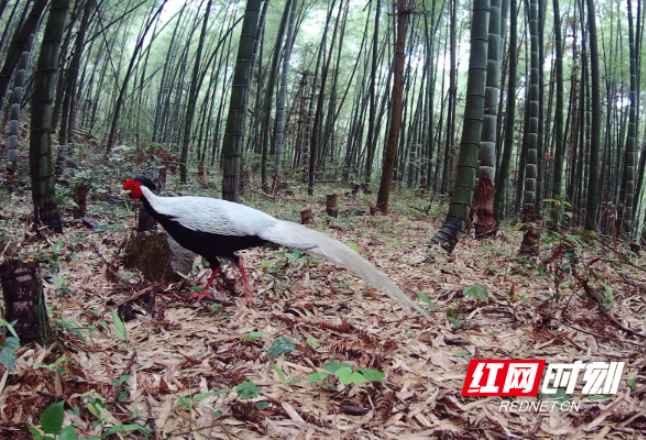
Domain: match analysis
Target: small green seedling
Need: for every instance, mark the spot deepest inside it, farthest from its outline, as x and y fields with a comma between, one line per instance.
x=8, y=344
x=345, y=374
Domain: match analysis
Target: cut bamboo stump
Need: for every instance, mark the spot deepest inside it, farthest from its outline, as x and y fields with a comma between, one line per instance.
x=158, y=257
x=145, y=222
x=331, y=205
x=161, y=179
x=80, y=198
x=22, y=288
x=306, y=215
x=201, y=174
x=530, y=245
x=483, y=197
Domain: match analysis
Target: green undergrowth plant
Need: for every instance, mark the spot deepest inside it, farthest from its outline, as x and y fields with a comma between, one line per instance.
x=478, y=291
x=345, y=374
x=9, y=343
x=280, y=346
x=454, y=314
x=51, y=423
x=189, y=401
x=52, y=419
x=54, y=367
x=343, y=371
x=119, y=385
x=119, y=327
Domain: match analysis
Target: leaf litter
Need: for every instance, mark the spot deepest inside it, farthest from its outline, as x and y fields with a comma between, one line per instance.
x=183, y=370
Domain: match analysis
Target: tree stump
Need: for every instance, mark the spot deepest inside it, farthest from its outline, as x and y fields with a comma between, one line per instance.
x=80, y=198
x=200, y=174
x=331, y=205
x=158, y=257
x=530, y=245
x=422, y=182
x=145, y=222
x=22, y=289
x=483, y=197
x=161, y=179
x=306, y=215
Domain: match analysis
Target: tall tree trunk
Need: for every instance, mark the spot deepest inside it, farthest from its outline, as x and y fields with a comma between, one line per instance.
x=559, y=157
x=234, y=132
x=269, y=96
x=592, y=202
x=626, y=198
x=192, y=98
x=258, y=46
x=485, y=224
x=510, y=117
x=16, y=100
x=124, y=86
x=19, y=43
x=453, y=91
x=282, y=93
x=488, y=143
x=3, y=5
x=160, y=108
x=541, y=135
x=370, y=151
x=40, y=153
x=319, y=106
x=65, y=131
x=7, y=28
x=457, y=218
x=530, y=244
x=390, y=153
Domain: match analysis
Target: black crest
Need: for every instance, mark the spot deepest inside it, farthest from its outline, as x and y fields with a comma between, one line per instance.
x=146, y=182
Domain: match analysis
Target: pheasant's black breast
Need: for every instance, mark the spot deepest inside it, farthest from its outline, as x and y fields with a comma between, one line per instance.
x=208, y=245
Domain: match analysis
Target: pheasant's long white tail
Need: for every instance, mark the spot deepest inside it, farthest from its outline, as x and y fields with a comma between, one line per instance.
x=296, y=236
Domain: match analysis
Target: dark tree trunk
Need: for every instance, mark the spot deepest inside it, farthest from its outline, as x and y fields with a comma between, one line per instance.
x=40, y=153
x=65, y=132
x=192, y=99
x=390, y=154
x=124, y=86
x=234, y=136
x=19, y=44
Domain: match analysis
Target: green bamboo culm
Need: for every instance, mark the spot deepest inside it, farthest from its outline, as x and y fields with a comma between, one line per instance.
x=510, y=121
x=531, y=171
x=233, y=135
x=456, y=219
x=592, y=200
x=627, y=192
x=557, y=181
x=43, y=188
x=530, y=243
x=492, y=90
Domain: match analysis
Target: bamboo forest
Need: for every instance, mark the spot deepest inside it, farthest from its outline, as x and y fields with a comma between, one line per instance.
x=307, y=219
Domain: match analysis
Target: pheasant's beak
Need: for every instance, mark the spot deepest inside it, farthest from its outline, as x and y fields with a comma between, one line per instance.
x=125, y=192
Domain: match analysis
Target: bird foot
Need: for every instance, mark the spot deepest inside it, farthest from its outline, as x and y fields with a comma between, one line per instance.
x=246, y=297
x=200, y=295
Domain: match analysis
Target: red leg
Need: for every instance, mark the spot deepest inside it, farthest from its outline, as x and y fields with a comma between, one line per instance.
x=245, y=280
x=201, y=294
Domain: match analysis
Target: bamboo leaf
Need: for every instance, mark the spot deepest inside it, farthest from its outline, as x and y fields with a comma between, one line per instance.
x=119, y=326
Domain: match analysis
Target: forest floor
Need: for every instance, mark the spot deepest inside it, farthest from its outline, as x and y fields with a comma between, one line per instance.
x=183, y=370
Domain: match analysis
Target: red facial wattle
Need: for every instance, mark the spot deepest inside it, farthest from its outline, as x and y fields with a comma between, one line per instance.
x=134, y=187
